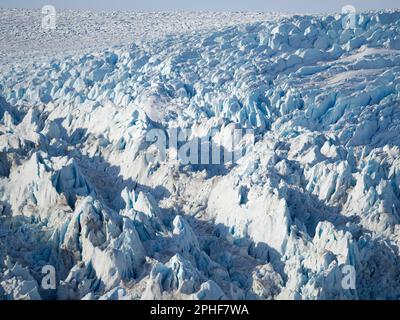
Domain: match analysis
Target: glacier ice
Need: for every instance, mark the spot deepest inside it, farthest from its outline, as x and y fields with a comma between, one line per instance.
x=319, y=191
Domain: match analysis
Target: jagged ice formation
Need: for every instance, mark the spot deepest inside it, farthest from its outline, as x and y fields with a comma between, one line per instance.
x=319, y=190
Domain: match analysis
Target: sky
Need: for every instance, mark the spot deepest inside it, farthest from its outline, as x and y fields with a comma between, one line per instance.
x=298, y=6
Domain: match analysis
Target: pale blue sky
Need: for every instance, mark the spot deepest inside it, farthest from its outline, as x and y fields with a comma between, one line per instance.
x=218, y=5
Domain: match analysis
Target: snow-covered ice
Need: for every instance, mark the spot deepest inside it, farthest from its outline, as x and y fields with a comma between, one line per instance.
x=317, y=195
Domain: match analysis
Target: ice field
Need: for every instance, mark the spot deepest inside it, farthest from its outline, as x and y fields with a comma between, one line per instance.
x=310, y=211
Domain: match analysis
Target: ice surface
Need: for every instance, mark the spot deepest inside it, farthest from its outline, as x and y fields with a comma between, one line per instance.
x=319, y=190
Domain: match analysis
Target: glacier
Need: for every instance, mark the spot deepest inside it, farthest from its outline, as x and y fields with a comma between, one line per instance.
x=317, y=194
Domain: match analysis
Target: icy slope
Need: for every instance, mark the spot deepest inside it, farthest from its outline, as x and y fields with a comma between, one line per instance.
x=319, y=191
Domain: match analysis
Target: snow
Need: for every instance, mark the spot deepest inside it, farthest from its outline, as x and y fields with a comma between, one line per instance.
x=80, y=188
